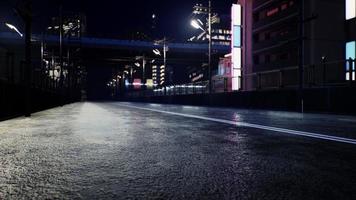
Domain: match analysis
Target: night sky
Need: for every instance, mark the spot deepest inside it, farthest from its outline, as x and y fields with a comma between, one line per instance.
x=117, y=18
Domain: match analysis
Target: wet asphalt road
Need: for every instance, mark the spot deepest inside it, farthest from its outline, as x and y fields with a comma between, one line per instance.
x=112, y=151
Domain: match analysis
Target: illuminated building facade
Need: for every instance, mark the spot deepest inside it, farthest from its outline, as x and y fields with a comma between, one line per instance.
x=158, y=75
x=271, y=40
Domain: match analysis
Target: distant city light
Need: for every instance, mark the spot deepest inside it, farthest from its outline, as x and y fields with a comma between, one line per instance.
x=156, y=52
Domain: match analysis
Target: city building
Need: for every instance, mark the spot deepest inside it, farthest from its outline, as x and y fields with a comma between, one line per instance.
x=221, y=32
x=276, y=41
x=222, y=82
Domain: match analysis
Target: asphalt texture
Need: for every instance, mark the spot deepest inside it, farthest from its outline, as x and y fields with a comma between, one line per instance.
x=120, y=151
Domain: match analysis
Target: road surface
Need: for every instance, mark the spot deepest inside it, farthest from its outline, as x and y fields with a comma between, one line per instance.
x=151, y=151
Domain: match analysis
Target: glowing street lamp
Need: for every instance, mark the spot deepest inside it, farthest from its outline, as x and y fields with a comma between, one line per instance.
x=12, y=27
x=197, y=24
x=156, y=52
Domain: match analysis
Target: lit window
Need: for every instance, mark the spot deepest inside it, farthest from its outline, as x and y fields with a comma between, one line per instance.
x=350, y=53
x=350, y=9
x=272, y=12
x=284, y=6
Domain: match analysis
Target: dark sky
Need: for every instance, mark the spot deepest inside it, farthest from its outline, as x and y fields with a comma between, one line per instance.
x=114, y=18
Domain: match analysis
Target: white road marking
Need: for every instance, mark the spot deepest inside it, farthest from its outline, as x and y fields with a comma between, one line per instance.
x=244, y=124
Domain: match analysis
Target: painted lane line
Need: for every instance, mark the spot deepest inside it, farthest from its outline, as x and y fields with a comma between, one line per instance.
x=256, y=126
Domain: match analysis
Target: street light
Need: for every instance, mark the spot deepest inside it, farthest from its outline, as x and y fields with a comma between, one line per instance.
x=197, y=24
x=12, y=27
x=156, y=52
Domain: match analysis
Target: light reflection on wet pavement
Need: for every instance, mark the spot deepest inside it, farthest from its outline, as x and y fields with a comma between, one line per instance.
x=108, y=151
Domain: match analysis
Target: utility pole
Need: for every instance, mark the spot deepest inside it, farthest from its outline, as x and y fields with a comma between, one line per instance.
x=42, y=57
x=165, y=49
x=210, y=46
x=301, y=55
x=199, y=9
x=61, y=53
x=25, y=11
x=164, y=42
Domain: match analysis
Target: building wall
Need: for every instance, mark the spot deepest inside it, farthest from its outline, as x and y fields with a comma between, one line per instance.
x=351, y=29
x=247, y=42
x=272, y=43
x=325, y=36
x=274, y=35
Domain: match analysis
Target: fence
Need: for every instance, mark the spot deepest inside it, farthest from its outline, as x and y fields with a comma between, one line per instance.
x=46, y=90
x=173, y=90
x=325, y=74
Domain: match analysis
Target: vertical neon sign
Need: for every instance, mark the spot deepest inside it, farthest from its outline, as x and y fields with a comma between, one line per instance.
x=236, y=45
x=350, y=9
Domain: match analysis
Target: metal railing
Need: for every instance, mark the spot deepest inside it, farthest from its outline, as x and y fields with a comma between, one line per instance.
x=173, y=90
x=325, y=74
x=183, y=89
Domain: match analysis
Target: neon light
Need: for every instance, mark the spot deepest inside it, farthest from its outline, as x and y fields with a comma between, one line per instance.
x=236, y=52
x=236, y=58
x=350, y=9
x=237, y=36
x=236, y=14
x=350, y=53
